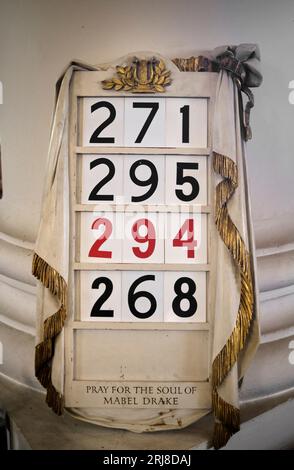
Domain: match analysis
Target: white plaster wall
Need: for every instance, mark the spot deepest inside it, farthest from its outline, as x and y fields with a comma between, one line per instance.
x=39, y=37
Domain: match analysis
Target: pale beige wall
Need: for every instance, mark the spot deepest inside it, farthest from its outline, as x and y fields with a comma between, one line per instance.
x=39, y=37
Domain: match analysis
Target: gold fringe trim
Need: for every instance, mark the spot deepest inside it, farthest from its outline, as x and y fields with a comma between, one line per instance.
x=50, y=278
x=53, y=325
x=228, y=417
x=55, y=400
x=226, y=413
x=187, y=65
x=221, y=435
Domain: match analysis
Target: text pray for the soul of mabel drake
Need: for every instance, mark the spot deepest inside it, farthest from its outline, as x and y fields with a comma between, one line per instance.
x=152, y=459
x=138, y=395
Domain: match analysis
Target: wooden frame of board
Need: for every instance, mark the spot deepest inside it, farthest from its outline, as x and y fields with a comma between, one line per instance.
x=139, y=357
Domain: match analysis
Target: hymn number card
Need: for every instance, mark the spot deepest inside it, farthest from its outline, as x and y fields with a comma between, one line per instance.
x=141, y=237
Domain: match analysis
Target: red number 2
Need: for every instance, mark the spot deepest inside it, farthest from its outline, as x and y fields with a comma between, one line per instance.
x=94, y=250
x=148, y=238
x=190, y=243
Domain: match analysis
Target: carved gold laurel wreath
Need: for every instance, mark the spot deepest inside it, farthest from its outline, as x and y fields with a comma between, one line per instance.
x=141, y=77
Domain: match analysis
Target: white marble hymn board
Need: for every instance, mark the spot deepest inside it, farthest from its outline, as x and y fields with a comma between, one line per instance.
x=139, y=330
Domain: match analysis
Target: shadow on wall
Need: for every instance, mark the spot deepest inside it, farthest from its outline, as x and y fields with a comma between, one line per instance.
x=1, y=185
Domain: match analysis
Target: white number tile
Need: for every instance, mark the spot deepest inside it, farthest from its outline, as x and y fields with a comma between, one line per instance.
x=144, y=168
x=173, y=301
x=148, y=227
x=92, y=120
x=93, y=285
x=188, y=187
x=142, y=305
x=135, y=119
x=109, y=224
x=194, y=251
x=101, y=167
x=197, y=122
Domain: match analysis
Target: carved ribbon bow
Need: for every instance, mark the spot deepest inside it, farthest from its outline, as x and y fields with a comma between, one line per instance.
x=242, y=62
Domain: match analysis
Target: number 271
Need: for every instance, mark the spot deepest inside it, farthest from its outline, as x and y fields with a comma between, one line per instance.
x=153, y=106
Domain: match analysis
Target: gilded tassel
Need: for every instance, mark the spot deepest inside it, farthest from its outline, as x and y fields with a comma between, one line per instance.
x=53, y=325
x=227, y=416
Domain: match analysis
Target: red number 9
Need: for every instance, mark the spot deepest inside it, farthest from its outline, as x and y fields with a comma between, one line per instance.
x=148, y=238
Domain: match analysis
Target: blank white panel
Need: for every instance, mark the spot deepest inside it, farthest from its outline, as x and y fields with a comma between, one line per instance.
x=110, y=250
x=109, y=114
x=136, y=118
x=144, y=168
x=191, y=252
x=194, y=114
x=140, y=355
x=100, y=296
x=143, y=225
x=191, y=174
x=185, y=297
x=145, y=310
x=95, y=169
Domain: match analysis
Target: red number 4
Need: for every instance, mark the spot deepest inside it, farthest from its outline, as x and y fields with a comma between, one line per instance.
x=189, y=242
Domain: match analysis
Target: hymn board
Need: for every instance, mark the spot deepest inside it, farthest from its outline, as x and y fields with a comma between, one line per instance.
x=139, y=328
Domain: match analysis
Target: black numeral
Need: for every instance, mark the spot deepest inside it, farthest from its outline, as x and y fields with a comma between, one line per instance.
x=94, y=196
x=152, y=181
x=189, y=295
x=96, y=310
x=185, y=111
x=134, y=296
x=95, y=139
x=181, y=179
x=154, y=108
